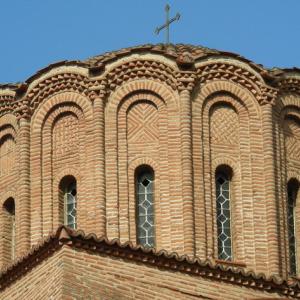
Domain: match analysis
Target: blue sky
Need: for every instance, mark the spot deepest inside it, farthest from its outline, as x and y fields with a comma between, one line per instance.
x=35, y=33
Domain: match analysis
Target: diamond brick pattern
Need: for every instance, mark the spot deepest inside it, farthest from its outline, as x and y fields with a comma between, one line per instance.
x=292, y=140
x=224, y=126
x=7, y=155
x=65, y=135
x=143, y=123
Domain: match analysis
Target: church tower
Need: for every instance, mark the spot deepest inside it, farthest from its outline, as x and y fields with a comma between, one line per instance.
x=152, y=172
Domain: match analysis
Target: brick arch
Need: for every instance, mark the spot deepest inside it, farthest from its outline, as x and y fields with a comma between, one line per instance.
x=287, y=100
x=9, y=120
x=120, y=138
x=289, y=110
x=66, y=172
x=55, y=100
x=42, y=163
x=142, y=160
x=56, y=201
x=8, y=194
x=167, y=103
x=162, y=91
x=128, y=101
x=219, y=86
x=57, y=111
x=141, y=70
x=293, y=174
x=242, y=102
x=228, y=161
x=287, y=167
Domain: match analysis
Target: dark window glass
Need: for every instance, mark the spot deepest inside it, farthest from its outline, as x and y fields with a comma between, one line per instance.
x=292, y=196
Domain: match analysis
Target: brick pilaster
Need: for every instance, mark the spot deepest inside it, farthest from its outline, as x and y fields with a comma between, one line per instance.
x=99, y=160
x=187, y=171
x=270, y=194
x=24, y=187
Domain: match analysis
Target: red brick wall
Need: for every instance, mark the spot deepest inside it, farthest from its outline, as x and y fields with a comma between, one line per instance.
x=183, y=132
x=43, y=282
x=76, y=274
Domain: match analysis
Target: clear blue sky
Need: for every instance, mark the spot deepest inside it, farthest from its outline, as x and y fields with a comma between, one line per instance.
x=35, y=33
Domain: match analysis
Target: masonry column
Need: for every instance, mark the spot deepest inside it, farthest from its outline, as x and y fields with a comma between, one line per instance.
x=270, y=193
x=99, y=160
x=187, y=170
x=24, y=187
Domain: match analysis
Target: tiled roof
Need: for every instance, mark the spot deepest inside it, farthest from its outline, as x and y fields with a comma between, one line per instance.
x=172, y=51
x=149, y=256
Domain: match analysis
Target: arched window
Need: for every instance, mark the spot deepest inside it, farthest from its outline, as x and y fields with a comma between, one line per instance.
x=223, y=178
x=9, y=230
x=292, y=191
x=145, y=206
x=68, y=195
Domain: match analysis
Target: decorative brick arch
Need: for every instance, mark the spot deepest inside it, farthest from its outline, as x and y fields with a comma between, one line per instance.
x=49, y=104
x=119, y=103
x=11, y=120
x=67, y=80
x=287, y=100
x=57, y=180
x=222, y=86
x=54, y=108
x=141, y=70
x=286, y=107
x=66, y=172
x=211, y=95
x=228, y=161
x=162, y=91
x=142, y=160
x=8, y=194
x=293, y=174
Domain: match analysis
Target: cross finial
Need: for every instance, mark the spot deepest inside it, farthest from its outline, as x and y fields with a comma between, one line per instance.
x=167, y=24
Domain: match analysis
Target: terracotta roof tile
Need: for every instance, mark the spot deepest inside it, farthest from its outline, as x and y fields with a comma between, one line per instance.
x=171, y=51
x=150, y=256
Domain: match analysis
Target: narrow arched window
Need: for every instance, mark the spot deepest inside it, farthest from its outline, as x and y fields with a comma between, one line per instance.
x=68, y=193
x=292, y=191
x=223, y=176
x=145, y=206
x=9, y=230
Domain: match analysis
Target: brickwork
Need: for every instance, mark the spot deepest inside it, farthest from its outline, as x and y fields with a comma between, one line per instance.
x=84, y=267
x=175, y=111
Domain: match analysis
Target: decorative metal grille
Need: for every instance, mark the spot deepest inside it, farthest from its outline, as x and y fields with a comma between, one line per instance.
x=145, y=209
x=292, y=195
x=70, y=205
x=223, y=216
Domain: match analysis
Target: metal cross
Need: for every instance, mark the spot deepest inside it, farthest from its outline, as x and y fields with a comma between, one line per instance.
x=167, y=24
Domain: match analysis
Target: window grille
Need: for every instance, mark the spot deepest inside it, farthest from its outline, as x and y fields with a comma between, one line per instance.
x=70, y=204
x=291, y=203
x=223, y=216
x=145, y=208
x=10, y=227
